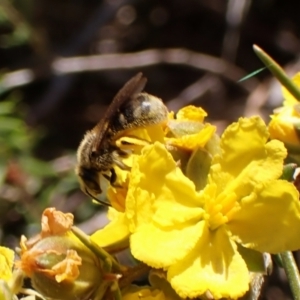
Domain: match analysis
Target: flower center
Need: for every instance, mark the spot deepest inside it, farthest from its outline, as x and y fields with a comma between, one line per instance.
x=220, y=210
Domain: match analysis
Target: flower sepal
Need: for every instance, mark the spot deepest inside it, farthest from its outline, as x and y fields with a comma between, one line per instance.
x=198, y=167
x=60, y=267
x=160, y=289
x=256, y=262
x=288, y=172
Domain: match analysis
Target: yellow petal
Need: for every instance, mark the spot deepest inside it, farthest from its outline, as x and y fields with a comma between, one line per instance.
x=242, y=142
x=284, y=124
x=149, y=134
x=247, y=159
x=269, y=219
x=156, y=183
x=289, y=98
x=117, y=196
x=115, y=233
x=214, y=267
x=6, y=263
x=193, y=141
x=160, y=248
x=169, y=214
x=191, y=113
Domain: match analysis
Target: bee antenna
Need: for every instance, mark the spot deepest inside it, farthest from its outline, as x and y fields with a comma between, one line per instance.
x=96, y=199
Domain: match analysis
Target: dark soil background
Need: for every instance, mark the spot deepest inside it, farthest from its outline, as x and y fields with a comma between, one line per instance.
x=62, y=62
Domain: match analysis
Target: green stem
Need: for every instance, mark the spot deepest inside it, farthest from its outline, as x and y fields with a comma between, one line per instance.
x=107, y=259
x=104, y=285
x=133, y=274
x=277, y=71
x=116, y=291
x=292, y=273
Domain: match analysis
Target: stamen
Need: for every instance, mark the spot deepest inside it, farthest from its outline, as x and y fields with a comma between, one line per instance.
x=217, y=220
x=222, y=212
x=228, y=202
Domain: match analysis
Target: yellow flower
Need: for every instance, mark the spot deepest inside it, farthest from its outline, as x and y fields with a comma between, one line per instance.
x=285, y=122
x=182, y=135
x=6, y=263
x=191, y=113
x=198, y=142
x=10, y=281
x=188, y=131
x=196, y=235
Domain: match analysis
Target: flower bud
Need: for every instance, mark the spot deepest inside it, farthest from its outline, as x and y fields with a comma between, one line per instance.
x=61, y=267
x=59, y=264
x=193, y=143
x=285, y=125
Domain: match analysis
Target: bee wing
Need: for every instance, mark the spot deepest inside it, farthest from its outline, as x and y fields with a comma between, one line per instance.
x=134, y=86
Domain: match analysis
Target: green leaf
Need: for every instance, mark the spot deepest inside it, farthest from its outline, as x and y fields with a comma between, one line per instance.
x=252, y=74
x=278, y=72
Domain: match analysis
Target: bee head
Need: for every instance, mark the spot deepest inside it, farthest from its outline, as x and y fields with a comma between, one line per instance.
x=89, y=181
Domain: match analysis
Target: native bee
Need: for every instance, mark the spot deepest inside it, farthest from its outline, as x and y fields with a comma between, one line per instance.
x=98, y=153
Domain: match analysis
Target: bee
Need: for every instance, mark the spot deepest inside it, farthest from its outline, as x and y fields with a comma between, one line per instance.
x=98, y=153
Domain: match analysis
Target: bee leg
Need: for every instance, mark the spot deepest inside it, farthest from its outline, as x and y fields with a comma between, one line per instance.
x=124, y=152
x=107, y=177
x=113, y=176
x=112, y=179
x=118, y=162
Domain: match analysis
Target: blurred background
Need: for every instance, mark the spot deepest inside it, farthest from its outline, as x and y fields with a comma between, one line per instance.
x=61, y=63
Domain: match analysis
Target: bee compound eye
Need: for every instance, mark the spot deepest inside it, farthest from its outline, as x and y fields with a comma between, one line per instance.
x=94, y=186
x=90, y=180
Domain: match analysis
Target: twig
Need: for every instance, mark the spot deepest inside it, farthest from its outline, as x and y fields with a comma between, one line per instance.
x=151, y=57
x=61, y=67
x=235, y=15
x=194, y=91
x=137, y=60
